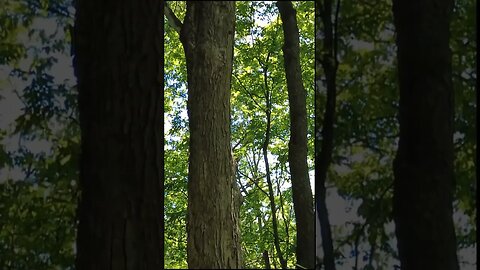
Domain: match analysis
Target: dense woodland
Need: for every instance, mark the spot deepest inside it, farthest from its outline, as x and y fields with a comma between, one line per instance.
x=259, y=100
x=260, y=134
x=400, y=151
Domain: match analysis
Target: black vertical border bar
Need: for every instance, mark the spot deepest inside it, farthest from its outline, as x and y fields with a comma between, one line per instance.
x=316, y=128
x=316, y=125
x=162, y=128
x=476, y=118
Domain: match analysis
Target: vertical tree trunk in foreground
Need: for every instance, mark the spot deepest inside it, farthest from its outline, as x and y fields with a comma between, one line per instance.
x=212, y=225
x=118, y=52
x=423, y=167
x=328, y=59
x=297, y=152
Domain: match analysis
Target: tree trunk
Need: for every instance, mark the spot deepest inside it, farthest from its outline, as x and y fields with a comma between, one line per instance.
x=329, y=62
x=118, y=65
x=266, y=259
x=266, y=142
x=212, y=223
x=423, y=167
x=297, y=152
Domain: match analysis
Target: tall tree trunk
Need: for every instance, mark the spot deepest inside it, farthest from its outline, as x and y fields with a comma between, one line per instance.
x=329, y=62
x=118, y=52
x=423, y=167
x=297, y=152
x=212, y=224
x=266, y=142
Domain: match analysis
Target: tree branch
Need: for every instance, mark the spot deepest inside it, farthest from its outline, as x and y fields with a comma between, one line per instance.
x=335, y=37
x=172, y=20
x=248, y=92
x=254, y=181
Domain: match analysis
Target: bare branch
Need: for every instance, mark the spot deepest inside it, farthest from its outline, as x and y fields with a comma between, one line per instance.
x=172, y=20
x=248, y=92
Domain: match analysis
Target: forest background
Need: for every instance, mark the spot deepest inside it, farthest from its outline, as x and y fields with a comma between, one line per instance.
x=40, y=135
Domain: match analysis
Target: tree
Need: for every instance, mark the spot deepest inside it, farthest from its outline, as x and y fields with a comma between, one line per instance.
x=40, y=140
x=212, y=222
x=297, y=152
x=423, y=166
x=118, y=66
x=328, y=60
x=266, y=142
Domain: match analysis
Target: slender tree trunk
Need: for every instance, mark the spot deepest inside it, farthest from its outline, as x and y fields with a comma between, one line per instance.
x=329, y=62
x=423, y=167
x=266, y=142
x=118, y=52
x=212, y=224
x=266, y=259
x=273, y=208
x=297, y=152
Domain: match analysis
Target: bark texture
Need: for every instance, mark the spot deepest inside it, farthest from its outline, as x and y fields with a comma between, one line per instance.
x=212, y=224
x=118, y=51
x=297, y=152
x=423, y=167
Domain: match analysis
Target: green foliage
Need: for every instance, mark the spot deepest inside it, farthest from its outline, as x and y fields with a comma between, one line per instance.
x=366, y=129
x=40, y=148
x=462, y=43
x=258, y=35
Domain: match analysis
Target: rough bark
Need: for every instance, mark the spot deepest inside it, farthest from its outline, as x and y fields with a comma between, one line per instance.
x=212, y=222
x=118, y=52
x=423, y=167
x=329, y=62
x=297, y=152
